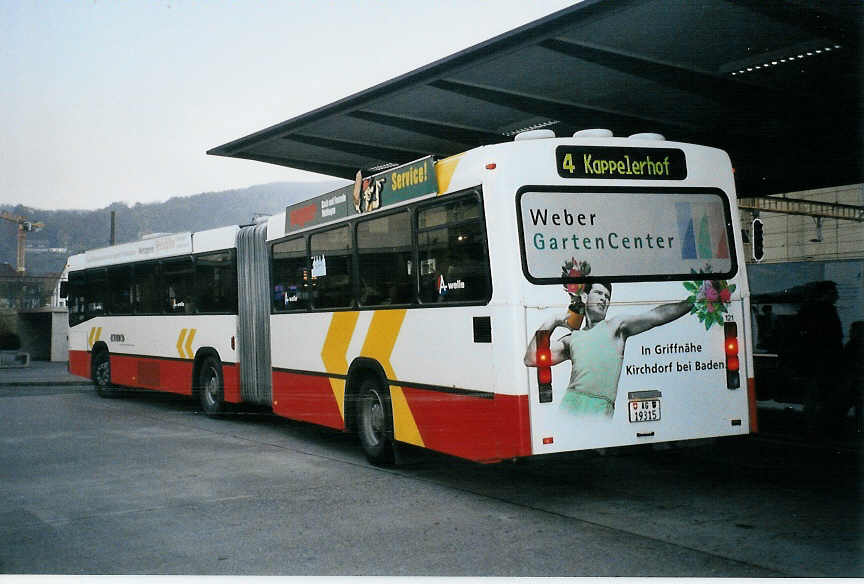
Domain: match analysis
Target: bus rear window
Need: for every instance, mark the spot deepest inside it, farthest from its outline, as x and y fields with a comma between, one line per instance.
x=624, y=234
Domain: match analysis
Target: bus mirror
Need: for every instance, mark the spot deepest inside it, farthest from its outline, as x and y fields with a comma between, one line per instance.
x=64, y=289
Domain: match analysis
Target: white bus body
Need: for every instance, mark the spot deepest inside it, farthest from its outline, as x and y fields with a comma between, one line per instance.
x=355, y=297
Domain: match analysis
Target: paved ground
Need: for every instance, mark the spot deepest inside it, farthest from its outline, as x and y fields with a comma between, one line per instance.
x=145, y=484
x=40, y=373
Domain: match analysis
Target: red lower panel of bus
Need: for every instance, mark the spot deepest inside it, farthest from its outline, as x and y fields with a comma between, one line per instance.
x=476, y=428
x=79, y=363
x=170, y=375
x=308, y=398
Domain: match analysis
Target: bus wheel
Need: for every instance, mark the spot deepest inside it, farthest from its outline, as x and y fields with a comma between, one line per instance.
x=102, y=375
x=375, y=422
x=210, y=387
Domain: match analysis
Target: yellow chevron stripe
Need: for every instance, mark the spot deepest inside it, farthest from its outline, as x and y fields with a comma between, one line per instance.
x=179, y=344
x=189, y=353
x=404, y=426
x=333, y=354
x=444, y=170
x=93, y=337
x=379, y=343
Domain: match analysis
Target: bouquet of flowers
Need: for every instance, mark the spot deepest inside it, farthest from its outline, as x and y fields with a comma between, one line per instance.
x=574, y=269
x=709, y=299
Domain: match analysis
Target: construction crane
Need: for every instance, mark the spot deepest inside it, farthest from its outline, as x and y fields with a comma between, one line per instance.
x=24, y=227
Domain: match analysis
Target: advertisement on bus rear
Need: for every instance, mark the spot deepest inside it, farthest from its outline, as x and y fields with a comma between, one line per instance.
x=617, y=374
x=644, y=343
x=625, y=234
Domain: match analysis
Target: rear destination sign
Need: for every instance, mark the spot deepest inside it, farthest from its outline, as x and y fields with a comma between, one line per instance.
x=605, y=162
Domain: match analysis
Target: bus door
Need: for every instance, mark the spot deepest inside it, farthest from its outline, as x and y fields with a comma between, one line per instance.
x=631, y=301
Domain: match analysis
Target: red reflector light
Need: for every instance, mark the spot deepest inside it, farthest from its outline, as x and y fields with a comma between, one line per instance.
x=548, y=440
x=491, y=166
x=543, y=357
x=544, y=353
x=544, y=375
x=731, y=346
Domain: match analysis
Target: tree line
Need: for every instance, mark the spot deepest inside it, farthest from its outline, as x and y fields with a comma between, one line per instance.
x=79, y=230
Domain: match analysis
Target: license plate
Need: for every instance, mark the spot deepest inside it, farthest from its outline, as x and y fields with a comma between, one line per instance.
x=644, y=410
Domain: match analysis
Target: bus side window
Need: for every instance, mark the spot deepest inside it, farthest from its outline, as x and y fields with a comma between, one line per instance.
x=120, y=290
x=290, y=275
x=146, y=287
x=77, y=300
x=454, y=264
x=216, y=282
x=97, y=292
x=331, y=281
x=178, y=286
x=385, y=255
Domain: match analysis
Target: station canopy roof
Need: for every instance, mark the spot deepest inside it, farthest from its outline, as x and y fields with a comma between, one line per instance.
x=777, y=84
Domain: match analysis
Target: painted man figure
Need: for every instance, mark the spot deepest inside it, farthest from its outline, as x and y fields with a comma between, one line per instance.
x=597, y=350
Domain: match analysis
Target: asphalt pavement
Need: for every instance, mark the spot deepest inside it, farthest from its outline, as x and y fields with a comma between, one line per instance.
x=40, y=373
x=149, y=485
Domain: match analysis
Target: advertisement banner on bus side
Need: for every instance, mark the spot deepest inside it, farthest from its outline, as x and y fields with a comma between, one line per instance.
x=156, y=247
x=320, y=209
x=409, y=181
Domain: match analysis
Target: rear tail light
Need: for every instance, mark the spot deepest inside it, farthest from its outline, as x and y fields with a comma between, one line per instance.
x=544, y=365
x=730, y=333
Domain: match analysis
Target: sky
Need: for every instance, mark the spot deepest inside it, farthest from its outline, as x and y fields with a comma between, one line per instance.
x=118, y=100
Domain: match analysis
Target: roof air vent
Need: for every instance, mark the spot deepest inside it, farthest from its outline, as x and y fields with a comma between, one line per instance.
x=534, y=135
x=647, y=136
x=593, y=133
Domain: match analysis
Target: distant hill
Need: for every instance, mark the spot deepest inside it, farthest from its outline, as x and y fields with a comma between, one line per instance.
x=79, y=230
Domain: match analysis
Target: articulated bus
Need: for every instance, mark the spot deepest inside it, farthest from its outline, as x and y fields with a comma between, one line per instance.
x=537, y=296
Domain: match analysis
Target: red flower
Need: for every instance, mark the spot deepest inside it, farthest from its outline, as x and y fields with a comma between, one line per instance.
x=574, y=288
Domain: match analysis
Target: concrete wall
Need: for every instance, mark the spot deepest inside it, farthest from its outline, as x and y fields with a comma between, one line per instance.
x=59, y=335
x=34, y=330
x=790, y=238
x=44, y=333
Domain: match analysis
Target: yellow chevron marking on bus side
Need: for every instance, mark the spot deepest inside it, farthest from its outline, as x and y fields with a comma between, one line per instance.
x=379, y=343
x=179, y=344
x=404, y=427
x=95, y=333
x=333, y=354
x=188, y=343
x=444, y=170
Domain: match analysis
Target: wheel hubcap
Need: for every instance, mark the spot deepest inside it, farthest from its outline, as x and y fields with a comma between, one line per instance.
x=211, y=388
x=374, y=417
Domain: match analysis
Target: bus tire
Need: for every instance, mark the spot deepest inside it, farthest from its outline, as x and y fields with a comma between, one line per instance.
x=102, y=375
x=375, y=422
x=211, y=387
